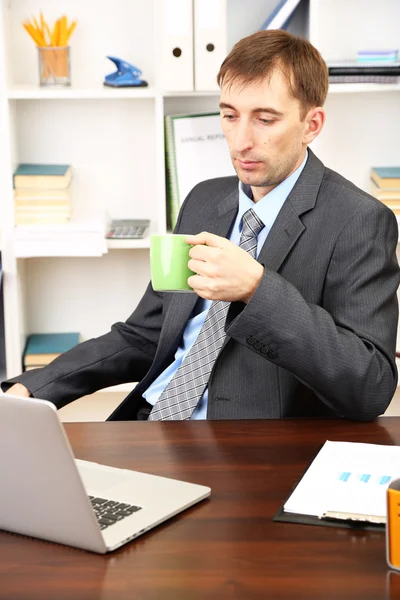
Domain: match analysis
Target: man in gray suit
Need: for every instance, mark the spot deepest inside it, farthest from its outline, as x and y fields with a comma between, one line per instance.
x=308, y=302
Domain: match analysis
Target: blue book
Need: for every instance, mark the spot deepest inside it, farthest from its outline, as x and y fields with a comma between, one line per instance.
x=42, y=348
x=389, y=54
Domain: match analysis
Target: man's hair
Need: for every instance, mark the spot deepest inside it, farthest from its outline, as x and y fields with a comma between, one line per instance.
x=257, y=56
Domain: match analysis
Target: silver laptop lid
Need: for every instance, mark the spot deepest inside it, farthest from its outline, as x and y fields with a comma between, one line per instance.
x=42, y=494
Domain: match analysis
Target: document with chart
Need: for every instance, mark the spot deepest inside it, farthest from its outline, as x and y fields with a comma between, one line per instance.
x=347, y=478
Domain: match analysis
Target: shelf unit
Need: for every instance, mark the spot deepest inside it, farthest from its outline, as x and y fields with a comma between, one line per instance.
x=362, y=128
x=128, y=244
x=114, y=140
x=89, y=92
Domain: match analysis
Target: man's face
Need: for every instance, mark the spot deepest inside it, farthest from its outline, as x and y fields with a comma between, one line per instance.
x=263, y=127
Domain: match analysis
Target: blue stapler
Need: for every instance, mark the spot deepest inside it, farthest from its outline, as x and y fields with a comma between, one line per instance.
x=126, y=75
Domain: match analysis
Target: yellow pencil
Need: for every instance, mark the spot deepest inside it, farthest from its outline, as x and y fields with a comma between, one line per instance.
x=36, y=25
x=42, y=34
x=35, y=35
x=70, y=30
x=63, y=36
x=48, y=32
x=54, y=35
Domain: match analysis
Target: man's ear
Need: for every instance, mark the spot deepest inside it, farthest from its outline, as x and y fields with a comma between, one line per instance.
x=315, y=120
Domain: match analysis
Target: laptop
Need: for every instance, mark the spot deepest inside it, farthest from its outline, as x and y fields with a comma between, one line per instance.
x=48, y=494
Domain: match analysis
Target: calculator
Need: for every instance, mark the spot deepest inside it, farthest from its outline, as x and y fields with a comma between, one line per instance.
x=128, y=229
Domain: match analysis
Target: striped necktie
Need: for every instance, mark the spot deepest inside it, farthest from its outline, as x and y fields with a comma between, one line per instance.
x=181, y=395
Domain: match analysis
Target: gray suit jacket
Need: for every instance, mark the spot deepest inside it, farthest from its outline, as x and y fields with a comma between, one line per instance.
x=317, y=339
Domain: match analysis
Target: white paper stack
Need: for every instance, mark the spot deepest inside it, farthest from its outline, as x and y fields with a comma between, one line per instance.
x=84, y=235
x=347, y=478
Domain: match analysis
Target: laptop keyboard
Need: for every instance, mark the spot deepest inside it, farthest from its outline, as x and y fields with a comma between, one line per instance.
x=109, y=512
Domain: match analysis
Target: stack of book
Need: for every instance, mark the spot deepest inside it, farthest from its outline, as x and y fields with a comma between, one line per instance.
x=370, y=66
x=42, y=348
x=42, y=194
x=386, y=186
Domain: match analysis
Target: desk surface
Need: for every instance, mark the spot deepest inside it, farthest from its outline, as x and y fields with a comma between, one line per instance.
x=225, y=547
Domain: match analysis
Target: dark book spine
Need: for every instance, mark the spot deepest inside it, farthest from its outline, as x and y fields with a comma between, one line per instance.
x=343, y=70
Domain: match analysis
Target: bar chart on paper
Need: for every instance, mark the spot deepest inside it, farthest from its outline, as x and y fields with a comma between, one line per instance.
x=348, y=478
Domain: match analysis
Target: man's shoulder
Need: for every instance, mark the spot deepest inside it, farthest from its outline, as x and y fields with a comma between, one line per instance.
x=336, y=187
x=334, y=180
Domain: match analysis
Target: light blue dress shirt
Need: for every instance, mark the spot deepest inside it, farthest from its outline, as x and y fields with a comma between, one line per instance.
x=267, y=209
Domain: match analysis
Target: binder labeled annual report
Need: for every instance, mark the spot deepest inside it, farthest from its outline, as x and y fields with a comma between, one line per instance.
x=177, y=45
x=346, y=483
x=210, y=42
x=196, y=150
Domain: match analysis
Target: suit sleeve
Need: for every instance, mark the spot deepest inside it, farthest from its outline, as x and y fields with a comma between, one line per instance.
x=344, y=349
x=122, y=355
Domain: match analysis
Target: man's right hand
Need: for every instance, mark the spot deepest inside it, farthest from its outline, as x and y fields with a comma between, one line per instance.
x=18, y=390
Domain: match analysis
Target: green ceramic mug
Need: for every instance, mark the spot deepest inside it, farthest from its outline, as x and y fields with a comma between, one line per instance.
x=169, y=257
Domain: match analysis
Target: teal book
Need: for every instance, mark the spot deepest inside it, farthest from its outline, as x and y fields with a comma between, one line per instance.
x=42, y=348
x=386, y=177
x=47, y=176
x=385, y=172
x=41, y=169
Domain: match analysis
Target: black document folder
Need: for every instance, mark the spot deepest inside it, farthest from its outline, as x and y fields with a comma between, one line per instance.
x=286, y=517
x=290, y=517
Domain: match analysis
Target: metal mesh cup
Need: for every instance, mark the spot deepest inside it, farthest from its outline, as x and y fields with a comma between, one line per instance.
x=54, y=66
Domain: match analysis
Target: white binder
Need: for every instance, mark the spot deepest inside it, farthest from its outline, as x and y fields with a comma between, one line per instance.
x=177, y=45
x=210, y=42
x=282, y=14
x=196, y=150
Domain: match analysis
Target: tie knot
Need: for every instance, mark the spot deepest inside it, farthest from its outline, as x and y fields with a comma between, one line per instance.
x=252, y=224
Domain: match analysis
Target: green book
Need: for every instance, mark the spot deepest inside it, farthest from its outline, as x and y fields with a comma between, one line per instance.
x=42, y=348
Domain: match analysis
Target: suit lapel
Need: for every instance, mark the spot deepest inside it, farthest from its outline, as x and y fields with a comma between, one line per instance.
x=284, y=233
x=288, y=226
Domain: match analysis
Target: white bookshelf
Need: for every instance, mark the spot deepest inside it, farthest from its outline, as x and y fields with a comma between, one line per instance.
x=114, y=140
x=128, y=244
x=363, y=88
x=362, y=127
x=89, y=92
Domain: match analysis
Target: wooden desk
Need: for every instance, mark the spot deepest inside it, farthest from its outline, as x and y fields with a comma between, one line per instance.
x=225, y=547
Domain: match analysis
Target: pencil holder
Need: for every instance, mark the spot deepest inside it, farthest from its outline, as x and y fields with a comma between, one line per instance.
x=54, y=66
